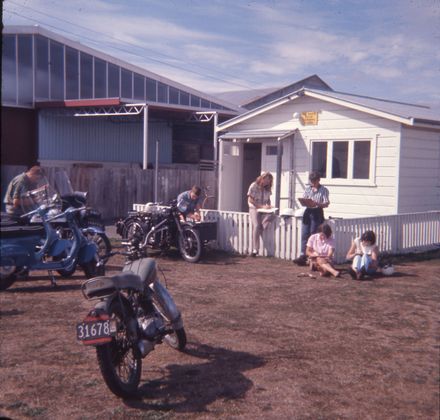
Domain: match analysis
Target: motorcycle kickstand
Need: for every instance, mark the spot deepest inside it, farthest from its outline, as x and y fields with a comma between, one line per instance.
x=52, y=278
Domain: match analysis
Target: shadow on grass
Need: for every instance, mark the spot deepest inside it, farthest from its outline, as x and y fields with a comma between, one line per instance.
x=192, y=387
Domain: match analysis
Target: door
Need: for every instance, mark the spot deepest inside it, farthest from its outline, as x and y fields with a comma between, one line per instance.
x=251, y=169
x=230, y=176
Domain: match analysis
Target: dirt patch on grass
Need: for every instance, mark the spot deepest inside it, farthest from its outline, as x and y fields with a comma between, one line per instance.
x=263, y=342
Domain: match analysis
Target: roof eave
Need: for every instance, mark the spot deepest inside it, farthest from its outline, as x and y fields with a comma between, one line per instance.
x=358, y=107
x=254, y=112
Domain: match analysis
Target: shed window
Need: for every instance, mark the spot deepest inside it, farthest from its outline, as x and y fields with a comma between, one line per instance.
x=25, y=81
x=184, y=98
x=138, y=87
x=273, y=150
x=162, y=92
x=174, y=96
x=113, y=81
x=86, y=85
x=100, y=78
x=342, y=159
x=72, y=73
x=150, y=88
x=56, y=52
x=126, y=84
x=42, y=67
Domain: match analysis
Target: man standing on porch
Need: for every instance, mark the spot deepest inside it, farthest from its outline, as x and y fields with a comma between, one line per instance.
x=315, y=199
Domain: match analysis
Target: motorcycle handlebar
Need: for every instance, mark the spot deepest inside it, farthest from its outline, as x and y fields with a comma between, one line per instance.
x=69, y=210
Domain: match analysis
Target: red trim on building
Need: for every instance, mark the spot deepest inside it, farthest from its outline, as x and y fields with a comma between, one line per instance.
x=75, y=103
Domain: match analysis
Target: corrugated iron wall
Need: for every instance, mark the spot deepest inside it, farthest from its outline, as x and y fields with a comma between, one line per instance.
x=107, y=139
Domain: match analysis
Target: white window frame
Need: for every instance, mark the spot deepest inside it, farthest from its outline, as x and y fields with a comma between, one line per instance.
x=349, y=181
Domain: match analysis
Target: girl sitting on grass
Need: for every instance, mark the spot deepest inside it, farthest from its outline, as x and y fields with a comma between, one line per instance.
x=365, y=255
x=320, y=250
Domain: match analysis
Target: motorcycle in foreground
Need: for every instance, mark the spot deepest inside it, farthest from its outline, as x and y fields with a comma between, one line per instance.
x=134, y=312
x=159, y=227
x=40, y=246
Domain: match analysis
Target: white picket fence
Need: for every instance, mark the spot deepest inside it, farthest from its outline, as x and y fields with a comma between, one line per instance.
x=396, y=234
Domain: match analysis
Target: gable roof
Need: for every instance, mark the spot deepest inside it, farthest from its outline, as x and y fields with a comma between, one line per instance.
x=311, y=82
x=405, y=113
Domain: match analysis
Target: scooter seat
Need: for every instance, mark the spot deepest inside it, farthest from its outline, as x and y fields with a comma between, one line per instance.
x=17, y=231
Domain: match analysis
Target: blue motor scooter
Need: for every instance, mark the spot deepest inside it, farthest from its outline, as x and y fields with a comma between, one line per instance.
x=40, y=246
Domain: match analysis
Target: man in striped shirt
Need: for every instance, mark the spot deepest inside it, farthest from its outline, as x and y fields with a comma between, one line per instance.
x=315, y=198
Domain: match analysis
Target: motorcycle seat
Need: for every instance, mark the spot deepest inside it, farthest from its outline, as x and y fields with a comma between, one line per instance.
x=18, y=231
x=99, y=287
x=144, y=267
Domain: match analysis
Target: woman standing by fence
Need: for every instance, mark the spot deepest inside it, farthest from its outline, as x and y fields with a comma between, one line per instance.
x=259, y=199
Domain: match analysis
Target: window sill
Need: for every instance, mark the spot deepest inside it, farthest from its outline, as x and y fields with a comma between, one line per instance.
x=348, y=182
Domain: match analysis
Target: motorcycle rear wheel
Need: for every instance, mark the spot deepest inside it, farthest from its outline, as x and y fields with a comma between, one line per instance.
x=190, y=245
x=120, y=363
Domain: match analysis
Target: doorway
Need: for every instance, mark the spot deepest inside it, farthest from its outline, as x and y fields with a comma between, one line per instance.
x=251, y=169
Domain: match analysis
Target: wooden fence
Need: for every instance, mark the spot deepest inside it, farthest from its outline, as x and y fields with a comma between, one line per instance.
x=396, y=234
x=113, y=191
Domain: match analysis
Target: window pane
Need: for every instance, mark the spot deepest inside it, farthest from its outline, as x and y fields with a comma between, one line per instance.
x=126, y=84
x=56, y=71
x=139, y=87
x=72, y=74
x=184, y=98
x=340, y=159
x=25, y=75
x=86, y=76
x=162, y=92
x=42, y=68
x=150, y=89
x=195, y=101
x=319, y=158
x=174, y=96
x=100, y=78
x=8, y=69
x=361, y=162
x=205, y=103
x=113, y=81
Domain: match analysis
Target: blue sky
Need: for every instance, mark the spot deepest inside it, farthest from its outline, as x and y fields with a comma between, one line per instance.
x=388, y=49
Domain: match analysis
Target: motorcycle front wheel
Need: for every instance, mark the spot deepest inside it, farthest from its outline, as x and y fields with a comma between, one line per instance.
x=120, y=363
x=103, y=243
x=177, y=339
x=92, y=269
x=190, y=245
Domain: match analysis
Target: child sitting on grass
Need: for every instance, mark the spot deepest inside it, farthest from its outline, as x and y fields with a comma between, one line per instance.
x=365, y=255
x=320, y=250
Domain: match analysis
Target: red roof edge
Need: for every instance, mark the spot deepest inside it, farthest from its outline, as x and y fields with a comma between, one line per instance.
x=75, y=103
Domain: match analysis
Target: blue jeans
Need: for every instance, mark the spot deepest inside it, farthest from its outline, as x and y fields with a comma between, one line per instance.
x=363, y=262
x=311, y=220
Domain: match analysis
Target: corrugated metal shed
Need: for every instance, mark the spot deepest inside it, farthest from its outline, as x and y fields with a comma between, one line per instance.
x=107, y=139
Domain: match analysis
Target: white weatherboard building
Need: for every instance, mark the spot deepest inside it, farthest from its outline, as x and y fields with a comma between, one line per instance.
x=376, y=157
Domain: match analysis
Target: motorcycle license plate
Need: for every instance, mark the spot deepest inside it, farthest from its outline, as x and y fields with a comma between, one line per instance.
x=95, y=330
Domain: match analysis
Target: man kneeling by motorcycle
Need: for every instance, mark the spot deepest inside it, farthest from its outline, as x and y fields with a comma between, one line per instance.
x=189, y=204
x=15, y=199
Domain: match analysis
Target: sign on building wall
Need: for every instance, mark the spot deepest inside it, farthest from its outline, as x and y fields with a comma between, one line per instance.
x=309, y=118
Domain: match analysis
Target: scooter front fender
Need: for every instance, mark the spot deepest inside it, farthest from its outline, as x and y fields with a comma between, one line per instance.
x=59, y=246
x=87, y=252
